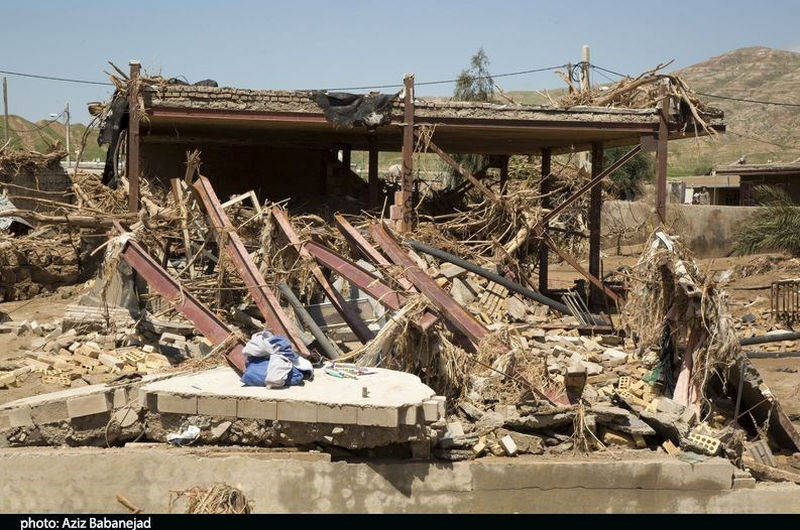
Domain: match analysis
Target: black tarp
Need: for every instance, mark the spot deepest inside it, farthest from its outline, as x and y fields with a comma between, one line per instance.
x=349, y=110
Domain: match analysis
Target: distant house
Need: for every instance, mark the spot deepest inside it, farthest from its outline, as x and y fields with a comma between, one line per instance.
x=784, y=175
x=723, y=190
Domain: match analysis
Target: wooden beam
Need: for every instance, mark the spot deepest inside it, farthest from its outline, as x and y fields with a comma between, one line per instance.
x=489, y=194
x=403, y=199
x=133, y=137
x=661, y=159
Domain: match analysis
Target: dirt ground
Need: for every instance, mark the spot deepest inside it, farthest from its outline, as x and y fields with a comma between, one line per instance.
x=748, y=293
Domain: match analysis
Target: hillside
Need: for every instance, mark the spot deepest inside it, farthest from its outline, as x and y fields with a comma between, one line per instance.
x=37, y=136
x=760, y=132
x=753, y=129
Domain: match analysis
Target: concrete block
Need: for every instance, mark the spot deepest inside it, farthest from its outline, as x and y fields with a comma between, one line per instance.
x=297, y=411
x=216, y=406
x=508, y=445
x=5, y=423
x=409, y=415
x=176, y=403
x=337, y=414
x=78, y=407
x=120, y=398
x=430, y=411
x=381, y=417
x=665, y=404
x=50, y=413
x=20, y=417
x=256, y=409
x=110, y=360
x=454, y=429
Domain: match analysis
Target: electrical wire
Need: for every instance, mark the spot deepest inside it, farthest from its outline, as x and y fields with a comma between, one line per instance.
x=38, y=127
x=446, y=81
x=53, y=78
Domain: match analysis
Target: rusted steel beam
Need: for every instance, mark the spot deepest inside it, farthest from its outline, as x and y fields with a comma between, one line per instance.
x=595, y=223
x=277, y=320
x=452, y=310
x=360, y=245
x=547, y=240
x=364, y=279
x=489, y=194
x=204, y=320
x=353, y=320
x=592, y=183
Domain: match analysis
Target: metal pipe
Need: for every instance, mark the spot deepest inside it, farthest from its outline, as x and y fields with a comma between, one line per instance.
x=774, y=337
x=505, y=282
x=327, y=348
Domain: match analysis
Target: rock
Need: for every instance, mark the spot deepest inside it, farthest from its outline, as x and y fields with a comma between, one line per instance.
x=614, y=357
x=536, y=422
x=666, y=425
x=219, y=430
x=472, y=412
x=526, y=443
x=621, y=420
x=665, y=404
x=748, y=318
x=489, y=422
x=453, y=455
x=618, y=438
x=462, y=292
x=516, y=309
x=451, y=270
x=454, y=429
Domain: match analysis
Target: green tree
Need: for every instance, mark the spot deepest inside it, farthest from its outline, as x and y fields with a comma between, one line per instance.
x=626, y=182
x=473, y=84
x=774, y=228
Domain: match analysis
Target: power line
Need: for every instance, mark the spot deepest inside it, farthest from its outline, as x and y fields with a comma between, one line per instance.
x=52, y=78
x=447, y=81
x=38, y=127
x=744, y=100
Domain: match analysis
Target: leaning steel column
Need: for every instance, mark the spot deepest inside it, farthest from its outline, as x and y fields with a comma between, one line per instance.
x=544, y=251
x=595, y=209
x=403, y=203
x=133, y=137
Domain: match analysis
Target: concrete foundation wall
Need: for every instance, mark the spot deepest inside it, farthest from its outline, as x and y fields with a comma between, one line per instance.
x=87, y=480
x=709, y=231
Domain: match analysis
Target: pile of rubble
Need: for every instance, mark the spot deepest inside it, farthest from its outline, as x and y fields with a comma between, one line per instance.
x=180, y=287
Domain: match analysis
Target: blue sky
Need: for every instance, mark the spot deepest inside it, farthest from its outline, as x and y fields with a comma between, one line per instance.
x=344, y=43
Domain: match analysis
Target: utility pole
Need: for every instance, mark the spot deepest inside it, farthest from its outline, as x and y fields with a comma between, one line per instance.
x=585, y=84
x=5, y=107
x=66, y=121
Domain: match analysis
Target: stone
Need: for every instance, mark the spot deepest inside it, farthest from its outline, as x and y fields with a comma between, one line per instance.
x=20, y=416
x=622, y=420
x=534, y=422
x=748, y=318
x=451, y=270
x=614, y=357
x=618, y=438
x=219, y=430
x=454, y=429
x=472, y=412
x=665, y=404
x=526, y=443
x=462, y=293
x=480, y=447
x=516, y=309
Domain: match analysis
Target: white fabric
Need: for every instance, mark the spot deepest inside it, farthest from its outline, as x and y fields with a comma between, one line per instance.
x=258, y=345
x=278, y=371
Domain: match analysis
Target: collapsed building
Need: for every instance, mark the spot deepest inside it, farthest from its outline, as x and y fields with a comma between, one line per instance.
x=434, y=336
